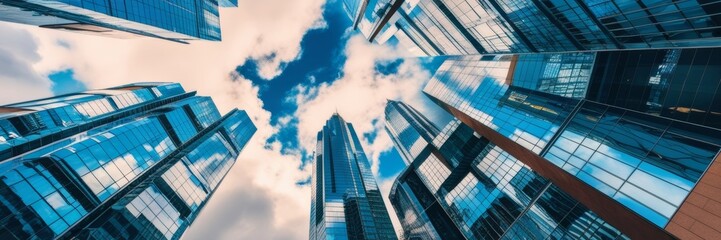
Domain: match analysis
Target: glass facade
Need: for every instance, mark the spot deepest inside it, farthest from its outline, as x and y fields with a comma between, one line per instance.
x=408, y=128
x=648, y=164
x=486, y=25
x=465, y=187
x=135, y=161
x=682, y=84
x=421, y=215
x=466, y=27
x=634, y=125
x=171, y=20
x=345, y=201
x=431, y=20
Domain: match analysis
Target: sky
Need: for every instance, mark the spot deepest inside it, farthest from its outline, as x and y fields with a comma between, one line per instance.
x=289, y=64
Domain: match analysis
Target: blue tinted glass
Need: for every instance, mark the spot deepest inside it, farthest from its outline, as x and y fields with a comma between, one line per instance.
x=47, y=191
x=480, y=89
x=632, y=158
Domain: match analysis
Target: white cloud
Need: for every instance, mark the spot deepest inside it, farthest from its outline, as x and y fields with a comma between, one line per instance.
x=285, y=120
x=259, y=198
x=360, y=97
x=18, y=52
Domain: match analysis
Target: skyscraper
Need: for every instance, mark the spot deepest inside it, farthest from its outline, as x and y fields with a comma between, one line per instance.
x=178, y=21
x=345, y=201
x=460, y=185
x=408, y=128
x=137, y=161
x=633, y=136
x=466, y=27
x=420, y=214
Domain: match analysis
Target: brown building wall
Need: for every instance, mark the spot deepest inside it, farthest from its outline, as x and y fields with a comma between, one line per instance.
x=700, y=215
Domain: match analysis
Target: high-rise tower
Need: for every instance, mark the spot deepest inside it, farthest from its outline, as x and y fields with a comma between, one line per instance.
x=634, y=136
x=345, y=202
x=467, y=27
x=460, y=185
x=175, y=20
x=408, y=128
x=137, y=161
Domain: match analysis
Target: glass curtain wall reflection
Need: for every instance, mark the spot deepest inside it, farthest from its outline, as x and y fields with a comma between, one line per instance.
x=178, y=21
x=633, y=126
x=462, y=186
x=135, y=161
x=345, y=200
x=467, y=27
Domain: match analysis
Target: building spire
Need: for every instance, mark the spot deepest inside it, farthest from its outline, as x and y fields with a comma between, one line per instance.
x=336, y=112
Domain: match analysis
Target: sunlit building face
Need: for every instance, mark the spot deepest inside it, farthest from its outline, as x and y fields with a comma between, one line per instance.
x=460, y=185
x=468, y=27
x=139, y=160
x=637, y=130
x=346, y=202
x=178, y=20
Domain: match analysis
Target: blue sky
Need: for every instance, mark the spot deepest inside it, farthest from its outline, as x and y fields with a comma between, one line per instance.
x=321, y=66
x=320, y=62
x=64, y=83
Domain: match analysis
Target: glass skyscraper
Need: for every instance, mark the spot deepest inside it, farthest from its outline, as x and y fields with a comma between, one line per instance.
x=137, y=161
x=466, y=27
x=345, y=201
x=174, y=20
x=632, y=136
x=459, y=185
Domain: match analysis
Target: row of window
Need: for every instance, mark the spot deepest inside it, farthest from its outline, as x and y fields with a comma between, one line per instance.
x=101, y=162
x=633, y=157
x=452, y=27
